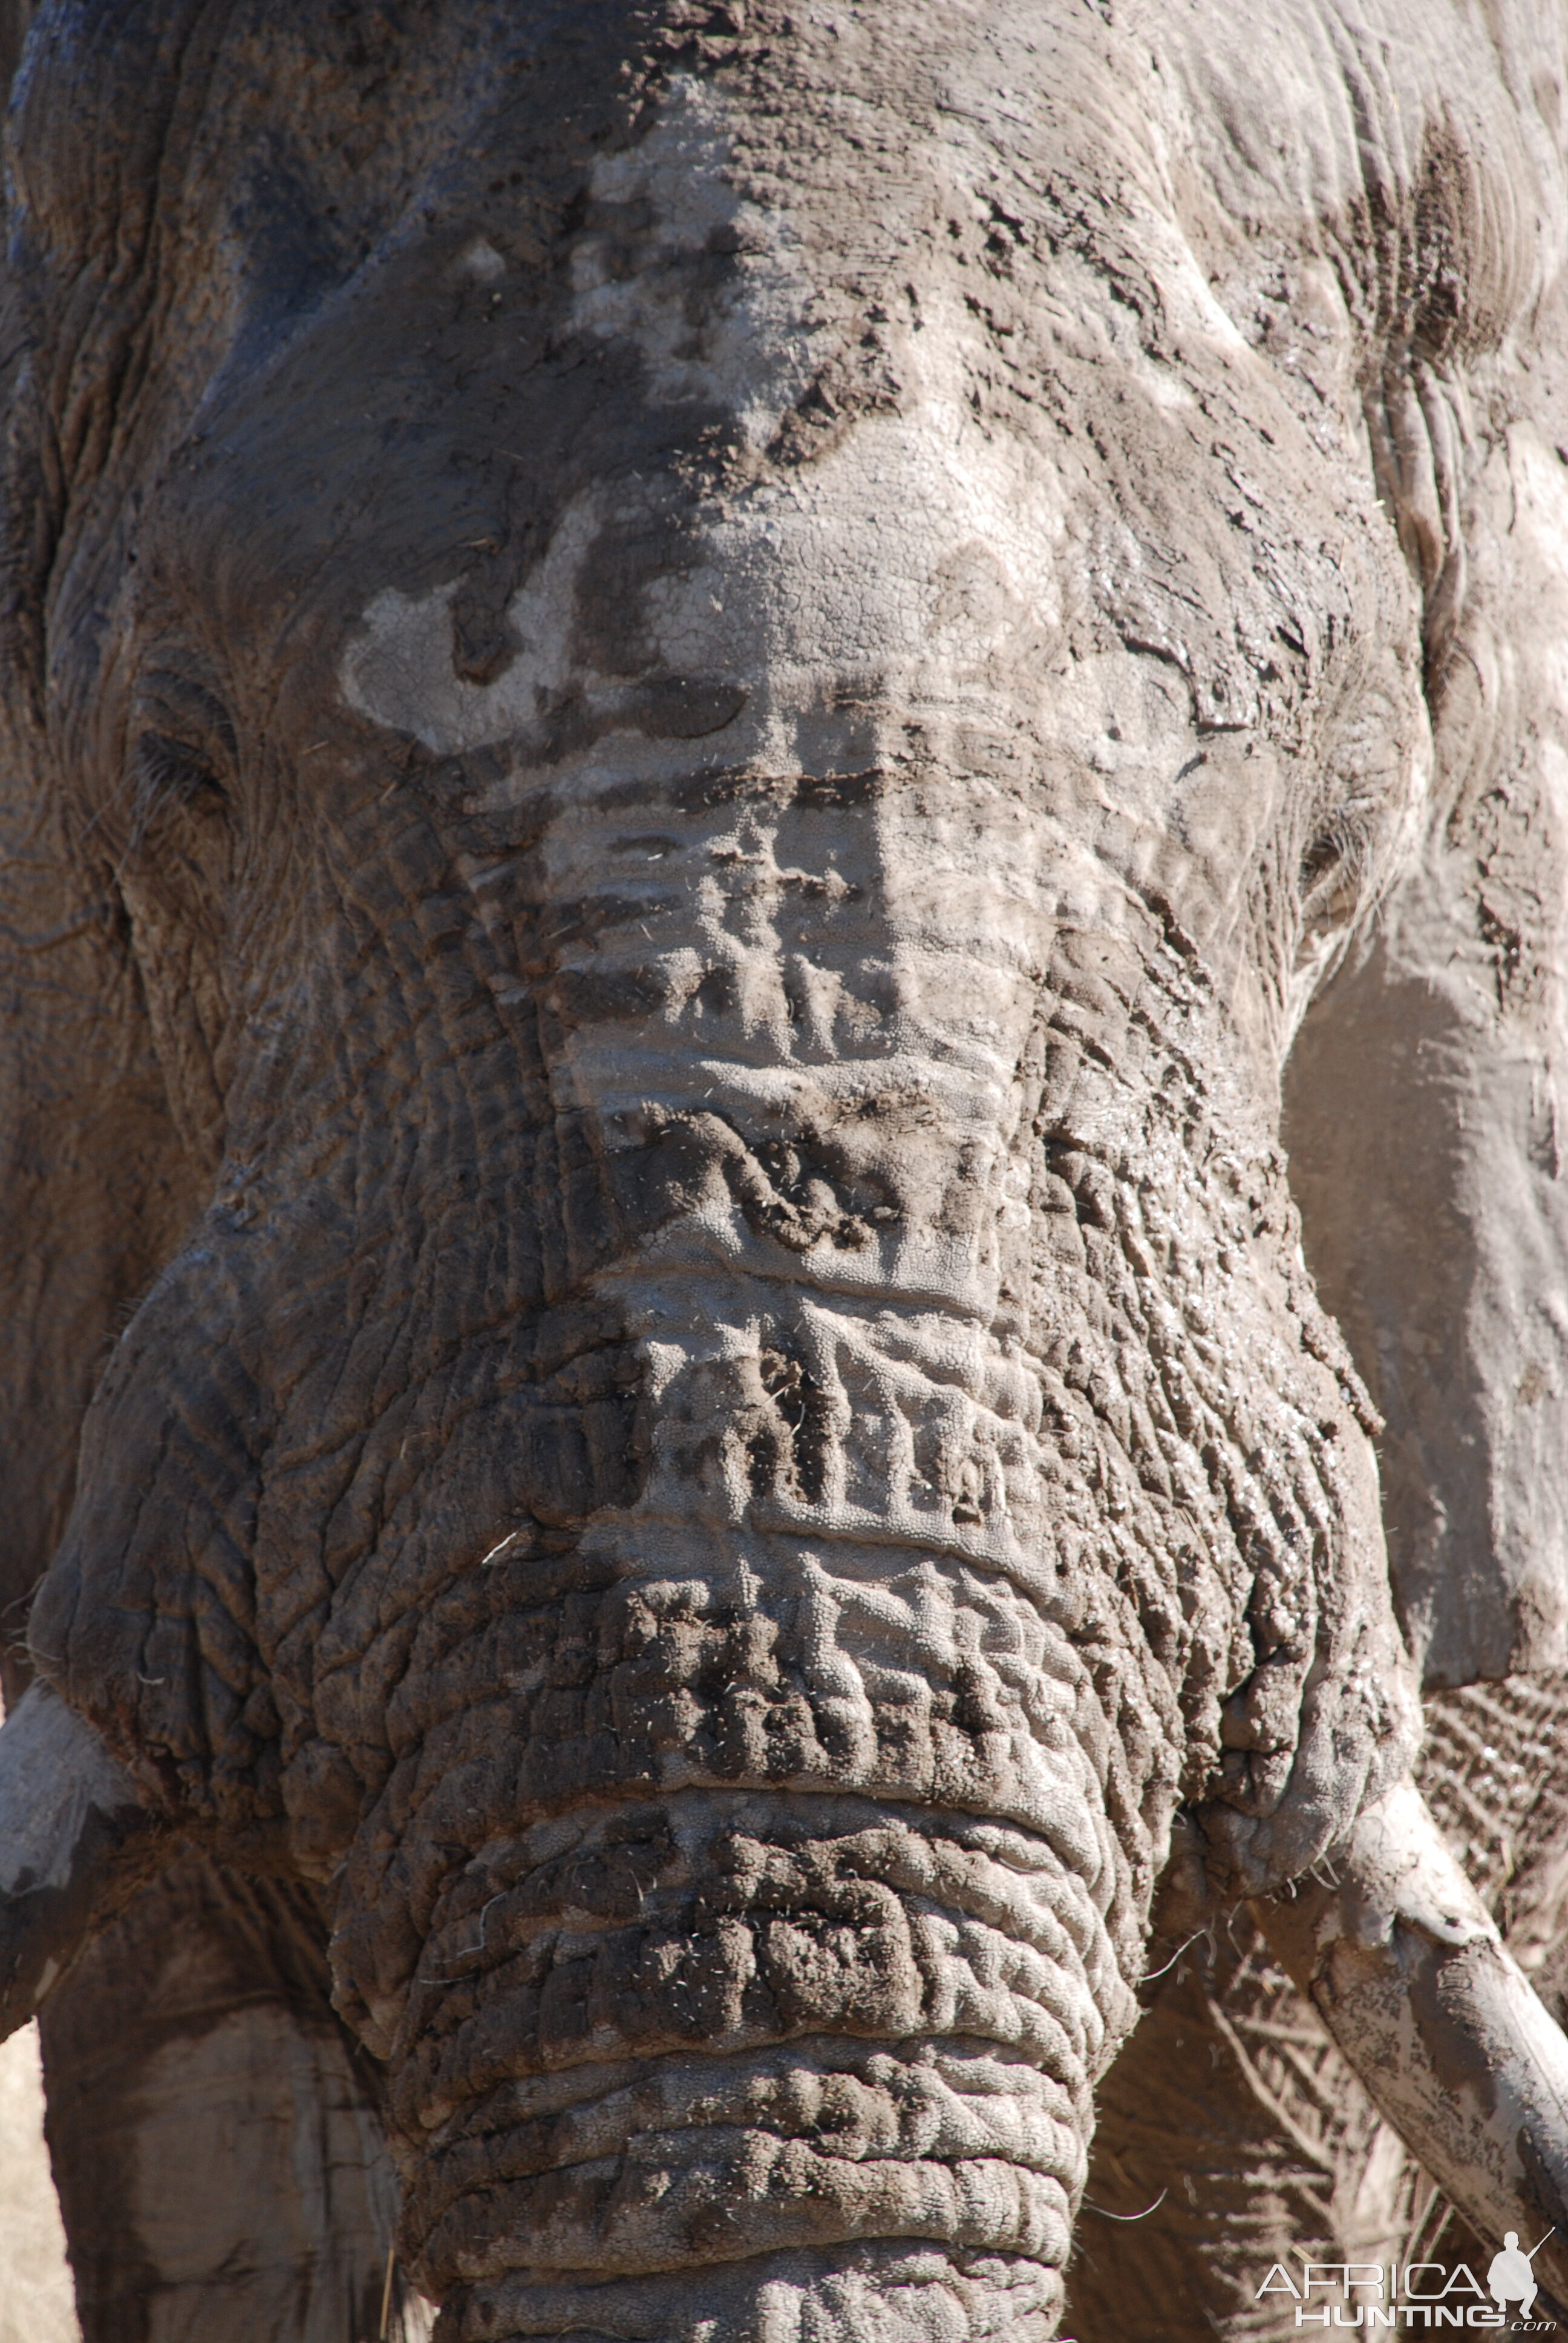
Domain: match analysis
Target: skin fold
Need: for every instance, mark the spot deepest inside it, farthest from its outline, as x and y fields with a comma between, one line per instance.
x=695, y=697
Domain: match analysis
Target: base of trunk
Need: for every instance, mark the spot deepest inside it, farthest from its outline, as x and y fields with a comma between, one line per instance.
x=882, y=2292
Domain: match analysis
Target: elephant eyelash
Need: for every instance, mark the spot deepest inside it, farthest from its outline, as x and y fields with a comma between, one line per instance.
x=1323, y=855
x=186, y=750
x=166, y=771
x=171, y=767
x=1331, y=867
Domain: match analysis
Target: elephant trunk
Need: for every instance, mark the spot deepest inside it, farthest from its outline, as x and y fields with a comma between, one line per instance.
x=722, y=2050
x=778, y=1781
x=774, y=1821
x=1404, y=1965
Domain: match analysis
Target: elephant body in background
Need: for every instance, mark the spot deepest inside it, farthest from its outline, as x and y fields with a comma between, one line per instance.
x=1231, y=2131
x=696, y=698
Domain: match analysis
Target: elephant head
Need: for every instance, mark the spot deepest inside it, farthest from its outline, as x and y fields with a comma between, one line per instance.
x=695, y=697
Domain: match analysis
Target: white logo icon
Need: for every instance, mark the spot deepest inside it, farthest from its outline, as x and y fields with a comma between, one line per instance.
x=1511, y=2278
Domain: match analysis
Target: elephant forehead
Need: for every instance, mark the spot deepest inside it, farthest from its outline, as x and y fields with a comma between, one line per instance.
x=916, y=553
x=914, y=544
x=918, y=541
x=746, y=335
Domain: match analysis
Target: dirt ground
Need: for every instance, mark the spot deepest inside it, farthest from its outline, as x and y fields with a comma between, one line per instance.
x=36, y=2304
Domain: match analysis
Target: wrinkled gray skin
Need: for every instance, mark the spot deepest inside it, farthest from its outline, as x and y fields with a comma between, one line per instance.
x=695, y=699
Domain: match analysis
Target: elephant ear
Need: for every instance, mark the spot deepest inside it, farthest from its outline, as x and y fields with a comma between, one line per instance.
x=1426, y=1097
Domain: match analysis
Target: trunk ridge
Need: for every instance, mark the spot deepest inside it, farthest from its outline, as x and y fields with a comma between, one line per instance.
x=767, y=1851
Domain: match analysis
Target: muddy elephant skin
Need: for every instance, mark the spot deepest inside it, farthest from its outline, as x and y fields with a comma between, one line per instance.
x=694, y=696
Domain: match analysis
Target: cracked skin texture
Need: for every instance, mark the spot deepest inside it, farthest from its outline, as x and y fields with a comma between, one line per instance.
x=701, y=720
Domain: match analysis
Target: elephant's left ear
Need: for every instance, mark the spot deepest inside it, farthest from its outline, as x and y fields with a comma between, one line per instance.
x=1426, y=1108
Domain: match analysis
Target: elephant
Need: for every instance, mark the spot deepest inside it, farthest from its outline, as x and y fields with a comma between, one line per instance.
x=783, y=923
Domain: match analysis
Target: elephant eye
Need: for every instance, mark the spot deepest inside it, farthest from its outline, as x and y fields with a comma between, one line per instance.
x=184, y=754
x=167, y=768
x=1331, y=871
x=1324, y=854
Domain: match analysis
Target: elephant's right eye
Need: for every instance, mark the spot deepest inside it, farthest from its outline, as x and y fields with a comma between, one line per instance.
x=168, y=768
x=184, y=754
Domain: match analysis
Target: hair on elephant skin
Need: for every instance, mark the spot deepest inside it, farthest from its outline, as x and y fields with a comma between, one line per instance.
x=784, y=797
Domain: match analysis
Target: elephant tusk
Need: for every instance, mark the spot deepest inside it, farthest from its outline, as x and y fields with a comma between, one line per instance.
x=1406, y=1969
x=74, y=1843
